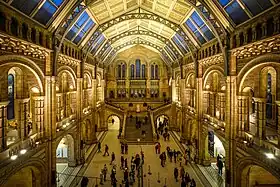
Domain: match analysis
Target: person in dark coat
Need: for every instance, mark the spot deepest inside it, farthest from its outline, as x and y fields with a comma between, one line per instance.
x=99, y=147
x=183, y=183
x=122, y=148
x=113, y=157
x=84, y=182
x=126, y=148
x=193, y=183
x=106, y=150
x=176, y=173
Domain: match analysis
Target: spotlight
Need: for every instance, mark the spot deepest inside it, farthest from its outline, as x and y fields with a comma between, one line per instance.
x=13, y=157
x=270, y=155
x=23, y=151
x=245, y=141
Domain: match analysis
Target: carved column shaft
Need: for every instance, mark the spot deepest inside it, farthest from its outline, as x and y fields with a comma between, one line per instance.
x=261, y=118
x=3, y=125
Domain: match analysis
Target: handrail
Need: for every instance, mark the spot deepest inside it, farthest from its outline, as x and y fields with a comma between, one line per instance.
x=123, y=127
x=153, y=126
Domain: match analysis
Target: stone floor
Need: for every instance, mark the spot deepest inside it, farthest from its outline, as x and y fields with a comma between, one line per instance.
x=151, y=159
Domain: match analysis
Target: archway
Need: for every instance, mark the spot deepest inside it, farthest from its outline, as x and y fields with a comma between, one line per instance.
x=113, y=122
x=26, y=177
x=250, y=177
x=162, y=120
x=65, y=152
x=215, y=145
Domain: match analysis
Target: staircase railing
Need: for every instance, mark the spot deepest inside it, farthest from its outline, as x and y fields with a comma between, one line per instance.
x=153, y=126
x=123, y=126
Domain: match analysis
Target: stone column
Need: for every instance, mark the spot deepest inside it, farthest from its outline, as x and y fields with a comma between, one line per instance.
x=276, y=23
x=173, y=90
x=264, y=29
x=278, y=122
x=182, y=93
x=3, y=125
x=254, y=33
x=148, y=75
x=102, y=89
x=8, y=24
x=50, y=127
x=261, y=118
x=242, y=115
x=80, y=157
x=22, y=109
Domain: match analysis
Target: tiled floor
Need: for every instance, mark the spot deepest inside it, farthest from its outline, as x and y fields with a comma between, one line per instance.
x=151, y=159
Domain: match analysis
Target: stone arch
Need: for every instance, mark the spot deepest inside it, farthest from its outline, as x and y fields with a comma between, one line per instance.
x=117, y=122
x=21, y=62
x=221, y=141
x=70, y=72
x=86, y=130
x=262, y=60
x=190, y=80
x=87, y=79
x=38, y=170
x=157, y=119
x=246, y=172
x=70, y=152
x=211, y=70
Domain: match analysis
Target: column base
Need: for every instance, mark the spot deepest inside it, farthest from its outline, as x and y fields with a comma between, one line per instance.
x=89, y=142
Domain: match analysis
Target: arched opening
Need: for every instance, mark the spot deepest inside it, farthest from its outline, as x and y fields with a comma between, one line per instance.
x=65, y=152
x=256, y=176
x=162, y=121
x=113, y=123
x=215, y=145
x=25, y=177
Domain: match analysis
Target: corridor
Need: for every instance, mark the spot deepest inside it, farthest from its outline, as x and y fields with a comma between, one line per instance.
x=151, y=159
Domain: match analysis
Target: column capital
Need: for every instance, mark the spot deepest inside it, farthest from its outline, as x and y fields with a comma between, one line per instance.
x=278, y=103
x=4, y=103
x=259, y=100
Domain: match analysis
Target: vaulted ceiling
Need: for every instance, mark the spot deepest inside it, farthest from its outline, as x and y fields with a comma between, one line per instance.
x=172, y=28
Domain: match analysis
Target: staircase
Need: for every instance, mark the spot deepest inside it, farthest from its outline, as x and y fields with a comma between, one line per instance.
x=132, y=133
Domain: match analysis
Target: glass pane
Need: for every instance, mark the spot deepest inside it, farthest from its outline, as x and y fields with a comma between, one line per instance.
x=236, y=13
x=257, y=6
x=57, y=2
x=132, y=71
x=45, y=13
x=123, y=71
x=25, y=6
x=138, y=66
x=205, y=30
x=152, y=72
x=190, y=25
x=196, y=18
x=88, y=26
x=79, y=37
x=81, y=21
x=72, y=32
x=200, y=37
x=156, y=71
x=224, y=2
x=119, y=71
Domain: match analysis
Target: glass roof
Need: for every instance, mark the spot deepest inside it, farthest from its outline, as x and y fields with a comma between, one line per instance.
x=242, y=10
x=83, y=24
x=41, y=10
x=198, y=27
x=97, y=43
x=180, y=43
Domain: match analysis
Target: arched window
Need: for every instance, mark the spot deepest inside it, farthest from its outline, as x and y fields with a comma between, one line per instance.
x=14, y=27
x=132, y=71
x=156, y=72
x=138, y=68
x=143, y=71
x=11, y=95
x=268, y=98
x=152, y=72
x=119, y=71
x=123, y=71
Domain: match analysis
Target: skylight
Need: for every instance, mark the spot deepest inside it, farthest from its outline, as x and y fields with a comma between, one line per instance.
x=40, y=10
x=80, y=28
x=242, y=10
x=180, y=42
x=97, y=43
x=199, y=28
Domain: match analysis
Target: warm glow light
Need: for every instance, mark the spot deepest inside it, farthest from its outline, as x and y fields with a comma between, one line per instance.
x=23, y=151
x=37, y=143
x=217, y=113
x=57, y=130
x=245, y=141
x=71, y=87
x=64, y=126
x=14, y=157
x=57, y=88
x=207, y=86
x=35, y=90
x=269, y=155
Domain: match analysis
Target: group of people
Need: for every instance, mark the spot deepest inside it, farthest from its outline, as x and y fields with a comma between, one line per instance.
x=185, y=177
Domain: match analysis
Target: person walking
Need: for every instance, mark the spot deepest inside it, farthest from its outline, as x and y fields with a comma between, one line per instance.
x=101, y=176
x=113, y=157
x=125, y=175
x=122, y=162
x=175, y=156
x=122, y=148
x=187, y=178
x=220, y=167
x=182, y=172
x=176, y=173
x=99, y=147
x=104, y=170
x=183, y=183
x=126, y=148
x=84, y=182
x=156, y=148
x=193, y=183
x=106, y=150
x=125, y=163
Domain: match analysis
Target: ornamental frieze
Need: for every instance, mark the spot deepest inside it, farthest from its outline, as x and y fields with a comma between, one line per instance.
x=67, y=60
x=14, y=45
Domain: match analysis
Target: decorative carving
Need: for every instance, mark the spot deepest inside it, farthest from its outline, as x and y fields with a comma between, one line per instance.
x=67, y=60
x=212, y=60
x=8, y=43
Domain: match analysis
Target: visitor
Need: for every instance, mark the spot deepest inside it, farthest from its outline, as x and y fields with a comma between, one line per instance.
x=193, y=183
x=182, y=173
x=104, y=171
x=122, y=162
x=156, y=148
x=142, y=156
x=183, y=183
x=218, y=158
x=84, y=182
x=126, y=148
x=99, y=147
x=176, y=173
x=101, y=176
x=187, y=178
x=175, y=156
x=122, y=148
x=125, y=163
x=220, y=167
x=106, y=150
x=113, y=157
